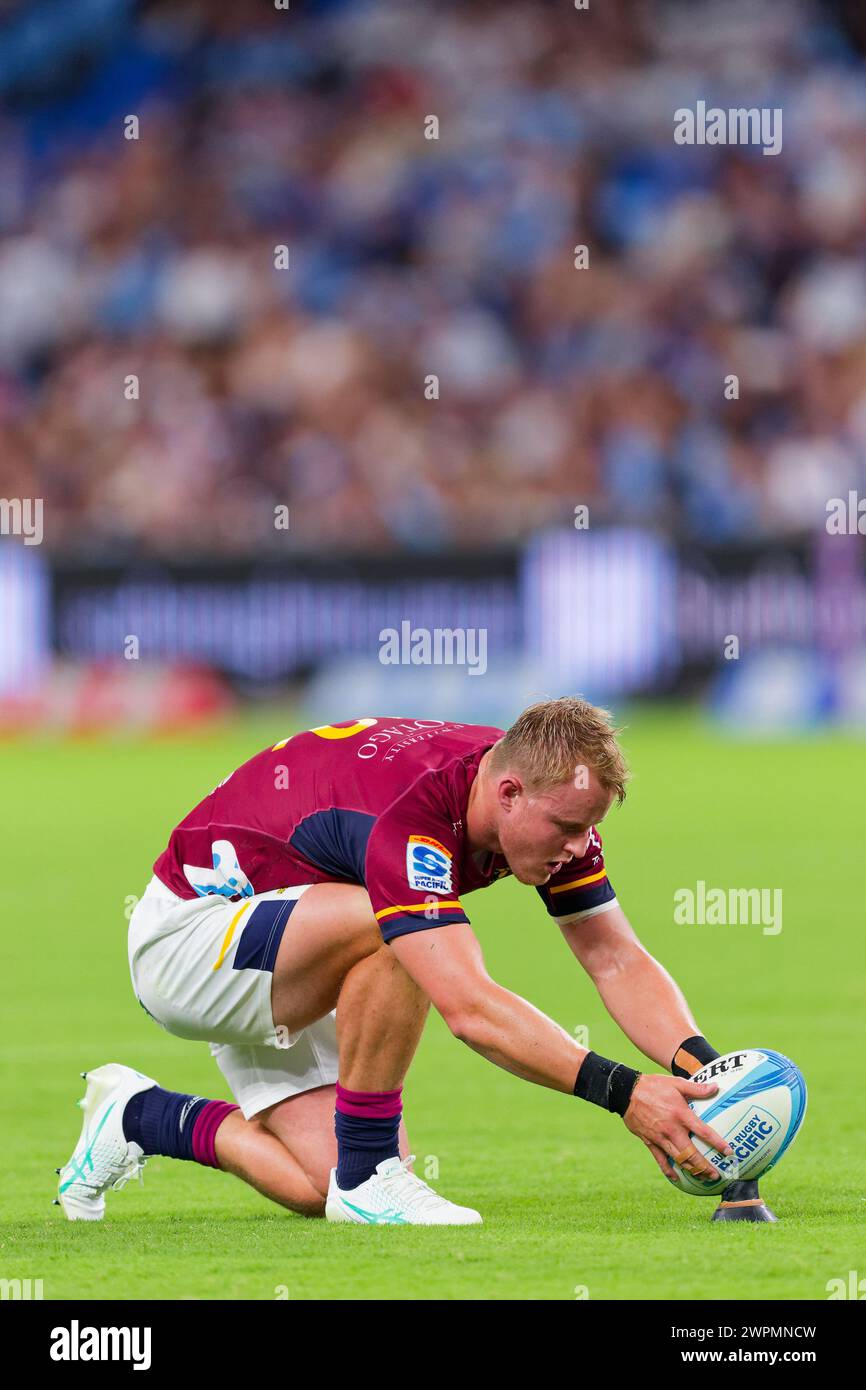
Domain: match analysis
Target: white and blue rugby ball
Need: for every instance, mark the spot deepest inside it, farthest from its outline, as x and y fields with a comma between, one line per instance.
x=758, y=1109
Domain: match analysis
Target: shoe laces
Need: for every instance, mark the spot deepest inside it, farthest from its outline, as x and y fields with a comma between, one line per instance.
x=407, y=1188
x=134, y=1169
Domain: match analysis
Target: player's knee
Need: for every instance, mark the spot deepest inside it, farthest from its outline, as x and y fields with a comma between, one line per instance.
x=319, y=1178
x=313, y=1208
x=307, y=1193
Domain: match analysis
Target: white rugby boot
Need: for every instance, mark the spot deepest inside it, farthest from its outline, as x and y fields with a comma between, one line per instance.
x=394, y=1196
x=103, y=1157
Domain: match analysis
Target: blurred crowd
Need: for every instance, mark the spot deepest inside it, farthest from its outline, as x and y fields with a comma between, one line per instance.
x=430, y=369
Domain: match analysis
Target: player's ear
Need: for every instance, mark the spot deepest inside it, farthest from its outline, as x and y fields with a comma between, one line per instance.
x=509, y=789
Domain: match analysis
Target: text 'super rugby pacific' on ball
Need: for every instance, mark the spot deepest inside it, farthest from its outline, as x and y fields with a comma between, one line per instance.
x=758, y=1109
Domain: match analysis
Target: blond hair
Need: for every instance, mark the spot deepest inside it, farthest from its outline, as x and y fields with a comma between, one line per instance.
x=551, y=740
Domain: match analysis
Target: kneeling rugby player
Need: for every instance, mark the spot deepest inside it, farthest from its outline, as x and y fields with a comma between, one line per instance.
x=306, y=913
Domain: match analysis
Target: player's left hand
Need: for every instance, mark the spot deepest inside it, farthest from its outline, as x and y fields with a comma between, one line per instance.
x=660, y=1116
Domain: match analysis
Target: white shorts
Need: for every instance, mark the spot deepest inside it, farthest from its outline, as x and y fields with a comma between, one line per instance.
x=203, y=969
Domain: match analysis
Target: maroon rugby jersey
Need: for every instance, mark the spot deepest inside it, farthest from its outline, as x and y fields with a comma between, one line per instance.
x=379, y=802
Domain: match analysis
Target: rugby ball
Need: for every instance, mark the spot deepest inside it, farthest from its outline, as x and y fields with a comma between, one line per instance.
x=758, y=1109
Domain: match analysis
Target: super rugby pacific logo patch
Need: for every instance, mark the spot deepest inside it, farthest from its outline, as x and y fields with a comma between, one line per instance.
x=428, y=865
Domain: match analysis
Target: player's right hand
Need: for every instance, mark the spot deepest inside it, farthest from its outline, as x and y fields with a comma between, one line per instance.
x=659, y=1115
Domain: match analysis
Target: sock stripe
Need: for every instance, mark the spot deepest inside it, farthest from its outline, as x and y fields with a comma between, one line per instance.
x=369, y=1105
x=207, y=1122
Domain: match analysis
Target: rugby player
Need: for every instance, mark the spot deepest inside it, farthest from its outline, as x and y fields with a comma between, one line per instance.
x=308, y=910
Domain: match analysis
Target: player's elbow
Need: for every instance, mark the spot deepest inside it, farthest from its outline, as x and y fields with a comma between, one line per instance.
x=465, y=1018
x=615, y=958
x=462, y=1024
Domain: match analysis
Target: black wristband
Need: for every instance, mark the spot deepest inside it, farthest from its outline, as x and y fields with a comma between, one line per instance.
x=691, y=1055
x=605, y=1083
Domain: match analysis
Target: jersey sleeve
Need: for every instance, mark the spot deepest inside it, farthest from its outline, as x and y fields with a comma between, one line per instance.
x=410, y=869
x=580, y=889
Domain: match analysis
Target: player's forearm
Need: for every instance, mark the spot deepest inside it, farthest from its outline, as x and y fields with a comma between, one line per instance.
x=514, y=1035
x=646, y=1002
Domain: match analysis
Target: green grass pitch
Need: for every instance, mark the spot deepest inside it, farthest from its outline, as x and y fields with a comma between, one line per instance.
x=573, y=1205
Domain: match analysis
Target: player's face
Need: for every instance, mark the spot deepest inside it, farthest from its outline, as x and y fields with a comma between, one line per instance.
x=540, y=831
